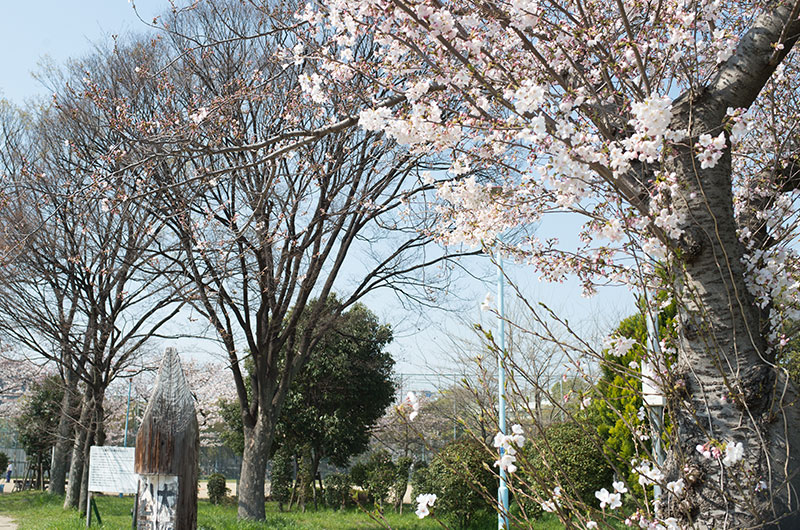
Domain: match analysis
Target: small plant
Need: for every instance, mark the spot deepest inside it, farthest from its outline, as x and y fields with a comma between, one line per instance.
x=380, y=476
x=402, y=470
x=217, y=488
x=569, y=455
x=358, y=474
x=460, y=478
x=280, y=489
x=337, y=490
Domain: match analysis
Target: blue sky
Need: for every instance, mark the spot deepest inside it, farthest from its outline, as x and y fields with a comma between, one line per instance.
x=34, y=31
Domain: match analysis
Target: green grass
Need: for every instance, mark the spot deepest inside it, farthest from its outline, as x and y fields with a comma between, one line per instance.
x=42, y=511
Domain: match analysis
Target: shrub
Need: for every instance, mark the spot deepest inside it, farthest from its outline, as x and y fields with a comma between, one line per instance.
x=381, y=475
x=419, y=477
x=402, y=469
x=568, y=456
x=358, y=474
x=281, y=477
x=337, y=490
x=461, y=480
x=217, y=488
x=3, y=463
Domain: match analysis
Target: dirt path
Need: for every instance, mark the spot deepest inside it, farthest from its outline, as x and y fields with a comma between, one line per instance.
x=6, y=523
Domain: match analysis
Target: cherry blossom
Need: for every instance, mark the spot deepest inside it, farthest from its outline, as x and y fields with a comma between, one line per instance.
x=508, y=444
x=676, y=487
x=734, y=452
x=649, y=474
x=709, y=149
x=612, y=500
x=413, y=402
x=424, y=503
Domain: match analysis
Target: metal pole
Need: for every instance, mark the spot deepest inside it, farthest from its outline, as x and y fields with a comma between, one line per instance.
x=656, y=406
x=127, y=412
x=502, y=490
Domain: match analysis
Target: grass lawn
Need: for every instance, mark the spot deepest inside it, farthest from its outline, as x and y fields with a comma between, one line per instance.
x=38, y=511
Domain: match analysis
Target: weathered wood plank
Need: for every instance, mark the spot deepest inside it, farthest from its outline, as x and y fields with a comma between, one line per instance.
x=167, y=448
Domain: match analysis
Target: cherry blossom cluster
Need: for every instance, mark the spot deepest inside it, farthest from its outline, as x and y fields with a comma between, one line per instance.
x=649, y=473
x=710, y=149
x=611, y=499
x=412, y=402
x=424, y=504
x=508, y=444
x=618, y=346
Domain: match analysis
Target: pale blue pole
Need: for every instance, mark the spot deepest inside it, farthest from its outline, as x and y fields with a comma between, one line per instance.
x=127, y=411
x=502, y=490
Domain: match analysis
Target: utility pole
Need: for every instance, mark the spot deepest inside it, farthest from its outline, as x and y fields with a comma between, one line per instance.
x=502, y=490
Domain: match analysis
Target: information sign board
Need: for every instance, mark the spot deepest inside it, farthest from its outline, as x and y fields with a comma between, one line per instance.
x=111, y=469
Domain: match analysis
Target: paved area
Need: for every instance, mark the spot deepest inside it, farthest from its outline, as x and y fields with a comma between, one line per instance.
x=6, y=523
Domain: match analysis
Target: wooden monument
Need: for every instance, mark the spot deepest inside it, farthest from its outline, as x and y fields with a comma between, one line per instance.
x=167, y=447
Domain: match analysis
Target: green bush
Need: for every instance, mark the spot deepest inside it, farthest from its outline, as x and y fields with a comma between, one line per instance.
x=217, y=488
x=419, y=477
x=461, y=480
x=337, y=490
x=381, y=473
x=568, y=456
x=358, y=474
x=280, y=489
x=402, y=469
x=3, y=463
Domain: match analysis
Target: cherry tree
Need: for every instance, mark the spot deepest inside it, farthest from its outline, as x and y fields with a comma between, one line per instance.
x=670, y=126
x=251, y=242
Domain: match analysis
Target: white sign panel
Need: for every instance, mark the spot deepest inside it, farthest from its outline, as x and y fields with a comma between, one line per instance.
x=111, y=469
x=651, y=393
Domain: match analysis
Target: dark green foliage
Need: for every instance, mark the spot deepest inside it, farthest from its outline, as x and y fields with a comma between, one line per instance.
x=401, y=471
x=232, y=433
x=460, y=478
x=568, y=455
x=341, y=391
x=3, y=463
x=358, y=474
x=381, y=473
x=280, y=477
x=37, y=423
x=337, y=490
x=418, y=478
x=217, y=488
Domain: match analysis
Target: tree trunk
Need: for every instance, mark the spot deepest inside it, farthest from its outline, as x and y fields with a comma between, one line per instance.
x=84, y=483
x=733, y=393
x=77, y=461
x=63, y=447
x=97, y=436
x=257, y=441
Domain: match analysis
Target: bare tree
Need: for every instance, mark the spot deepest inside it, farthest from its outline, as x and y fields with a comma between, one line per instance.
x=76, y=286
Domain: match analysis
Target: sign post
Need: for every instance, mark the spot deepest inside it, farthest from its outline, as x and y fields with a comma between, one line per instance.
x=653, y=396
x=110, y=471
x=167, y=447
